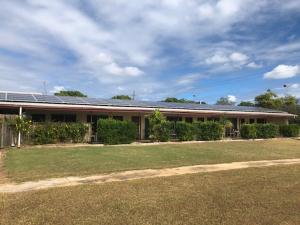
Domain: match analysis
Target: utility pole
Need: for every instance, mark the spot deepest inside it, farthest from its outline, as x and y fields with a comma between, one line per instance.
x=133, y=95
x=45, y=87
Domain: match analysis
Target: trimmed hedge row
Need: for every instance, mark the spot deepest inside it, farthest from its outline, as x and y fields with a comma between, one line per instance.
x=113, y=132
x=268, y=130
x=50, y=133
x=292, y=130
x=188, y=131
x=207, y=131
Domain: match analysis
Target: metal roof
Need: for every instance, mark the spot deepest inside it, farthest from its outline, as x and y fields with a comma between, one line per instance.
x=51, y=99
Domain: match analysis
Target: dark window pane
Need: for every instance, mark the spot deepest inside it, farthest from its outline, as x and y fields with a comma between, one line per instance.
x=57, y=118
x=38, y=118
x=200, y=119
x=260, y=120
x=70, y=118
x=252, y=120
x=189, y=119
x=215, y=119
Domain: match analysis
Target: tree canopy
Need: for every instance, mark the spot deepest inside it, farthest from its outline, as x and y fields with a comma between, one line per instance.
x=70, y=93
x=182, y=100
x=246, y=103
x=122, y=97
x=224, y=101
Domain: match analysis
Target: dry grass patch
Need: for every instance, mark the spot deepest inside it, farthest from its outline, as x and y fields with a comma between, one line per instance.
x=250, y=196
x=34, y=164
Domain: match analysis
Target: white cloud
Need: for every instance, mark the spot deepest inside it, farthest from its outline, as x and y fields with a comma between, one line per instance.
x=188, y=79
x=234, y=59
x=254, y=65
x=283, y=72
x=295, y=86
x=232, y=98
x=57, y=89
x=238, y=57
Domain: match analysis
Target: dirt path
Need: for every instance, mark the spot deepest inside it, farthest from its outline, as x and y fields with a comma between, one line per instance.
x=138, y=174
x=3, y=178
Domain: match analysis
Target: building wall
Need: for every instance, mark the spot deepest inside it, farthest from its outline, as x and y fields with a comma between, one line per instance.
x=82, y=117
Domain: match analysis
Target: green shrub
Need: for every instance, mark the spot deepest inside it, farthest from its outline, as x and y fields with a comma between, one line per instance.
x=248, y=131
x=161, y=132
x=208, y=130
x=50, y=133
x=291, y=130
x=184, y=131
x=160, y=128
x=112, y=131
x=267, y=130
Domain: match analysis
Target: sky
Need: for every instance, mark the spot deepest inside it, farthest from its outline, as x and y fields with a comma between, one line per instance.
x=198, y=49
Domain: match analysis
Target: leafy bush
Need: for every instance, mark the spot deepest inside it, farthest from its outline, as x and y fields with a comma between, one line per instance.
x=291, y=130
x=248, y=131
x=112, y=131
x=50, y=133
x=161, y=132
x=267, y=130
x=160, y=128
x=184, y=131
x=208, y=130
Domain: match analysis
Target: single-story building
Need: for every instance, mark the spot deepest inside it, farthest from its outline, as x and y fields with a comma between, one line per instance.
x=46, y=108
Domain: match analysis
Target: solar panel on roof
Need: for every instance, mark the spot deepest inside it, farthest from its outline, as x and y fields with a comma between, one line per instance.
x=20, y=97
x=2, y=96
x=48, y=99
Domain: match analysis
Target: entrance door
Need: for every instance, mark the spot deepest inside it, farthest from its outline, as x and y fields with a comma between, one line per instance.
x=93, y=120
x=137, y=121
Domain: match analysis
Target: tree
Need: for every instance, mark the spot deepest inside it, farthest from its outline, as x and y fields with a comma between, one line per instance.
x=224, y=101
x=247, y=103
x=269, y=100
x=122, y=97
x=182, y=100
x=70, y=93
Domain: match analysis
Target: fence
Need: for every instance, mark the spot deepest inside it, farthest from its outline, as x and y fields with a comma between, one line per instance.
x=7, y=135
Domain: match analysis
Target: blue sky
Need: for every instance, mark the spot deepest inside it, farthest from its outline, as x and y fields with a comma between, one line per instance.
x=206, y=49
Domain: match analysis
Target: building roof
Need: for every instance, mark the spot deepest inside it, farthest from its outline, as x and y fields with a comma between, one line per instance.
x=14, y=97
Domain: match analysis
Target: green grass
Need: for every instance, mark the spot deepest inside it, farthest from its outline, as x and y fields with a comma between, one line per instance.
x=250, y=196
x=34, y=164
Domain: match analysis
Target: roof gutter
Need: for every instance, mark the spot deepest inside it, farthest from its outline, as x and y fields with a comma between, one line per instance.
x=134, y=109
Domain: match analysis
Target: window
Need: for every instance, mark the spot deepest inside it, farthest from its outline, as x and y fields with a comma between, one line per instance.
x=252, y=121
x=261, y=120
x=189, y=119
x=68, y=118
x=118, y=118
x=243, y=121
x=174, y=118
x=215, y=119
x=95, y=118
x=200, y=119
x=37, y=118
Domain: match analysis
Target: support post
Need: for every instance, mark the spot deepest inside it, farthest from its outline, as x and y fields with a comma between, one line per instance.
x=2, y=135
x=19, y=134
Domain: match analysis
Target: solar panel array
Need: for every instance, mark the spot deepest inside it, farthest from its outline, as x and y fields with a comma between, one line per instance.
x=51, y=99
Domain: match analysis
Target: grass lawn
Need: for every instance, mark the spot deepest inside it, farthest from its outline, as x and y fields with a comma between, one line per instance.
x=249, y=196
x=34, y=164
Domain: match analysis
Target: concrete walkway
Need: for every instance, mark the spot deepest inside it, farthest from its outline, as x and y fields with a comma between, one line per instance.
x=138, y=174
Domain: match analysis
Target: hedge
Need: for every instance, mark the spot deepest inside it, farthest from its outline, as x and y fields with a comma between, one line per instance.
x=50, y=133
x=112, y=131
x=267, y=130
x=251, y=131
x=184, y=131
x=248, y=131
x=161, y=131
x=208, y=130
x=291, y=130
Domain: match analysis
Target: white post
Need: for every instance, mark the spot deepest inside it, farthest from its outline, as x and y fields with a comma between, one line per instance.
x=19, y=135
